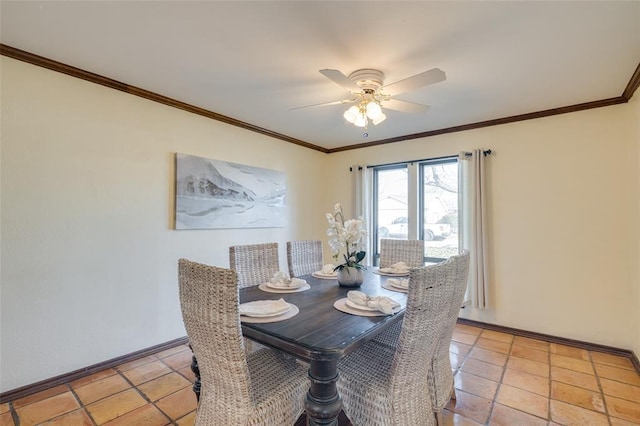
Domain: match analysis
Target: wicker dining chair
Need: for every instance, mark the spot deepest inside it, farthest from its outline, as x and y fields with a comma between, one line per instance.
x=304, y=257
x=260, y=388
x=411, y=252
x=254, y=263
x=383, y=385
x=441, y=385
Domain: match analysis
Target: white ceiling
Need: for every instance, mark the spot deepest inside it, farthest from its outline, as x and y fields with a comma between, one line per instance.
x=254, y=61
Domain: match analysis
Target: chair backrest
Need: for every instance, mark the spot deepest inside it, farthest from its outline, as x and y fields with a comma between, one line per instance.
x=410, y=252
x=209, y=303
x=428, y=303
x=254, y=263
x=304, y=257
x=440, y=376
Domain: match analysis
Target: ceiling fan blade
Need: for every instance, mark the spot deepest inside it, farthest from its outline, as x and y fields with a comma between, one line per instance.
x=344, y=101
x=404, y=106
x=434, y=75
x=341, y=80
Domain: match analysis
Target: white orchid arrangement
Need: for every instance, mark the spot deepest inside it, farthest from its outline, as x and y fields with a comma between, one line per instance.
x=348, y=236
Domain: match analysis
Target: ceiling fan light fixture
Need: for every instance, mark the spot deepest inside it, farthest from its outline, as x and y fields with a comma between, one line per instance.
x=361, y=120
x=379, y=119
x=351, y=114
x=373, y=110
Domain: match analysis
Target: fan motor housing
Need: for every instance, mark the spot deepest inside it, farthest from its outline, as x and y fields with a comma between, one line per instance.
x=367, y=78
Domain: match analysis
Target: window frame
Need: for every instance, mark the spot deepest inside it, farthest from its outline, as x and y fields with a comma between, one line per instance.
x=419, y=198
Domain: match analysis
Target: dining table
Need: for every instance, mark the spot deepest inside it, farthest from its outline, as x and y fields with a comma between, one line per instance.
x=321, y=335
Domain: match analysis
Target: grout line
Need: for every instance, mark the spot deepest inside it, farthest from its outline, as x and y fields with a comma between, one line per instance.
x=82, y=405
x=597, y=376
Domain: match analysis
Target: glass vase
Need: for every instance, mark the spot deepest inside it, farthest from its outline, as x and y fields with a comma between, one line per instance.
x=350, y=276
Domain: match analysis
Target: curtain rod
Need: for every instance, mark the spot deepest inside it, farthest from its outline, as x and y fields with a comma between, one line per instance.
x=467, y=154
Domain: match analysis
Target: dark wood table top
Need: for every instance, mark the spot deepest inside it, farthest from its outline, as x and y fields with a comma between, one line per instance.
x=319, y=330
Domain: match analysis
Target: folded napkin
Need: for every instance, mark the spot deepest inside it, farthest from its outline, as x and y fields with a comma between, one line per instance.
x=380, y=303
x=397, y=268
x=281, y=279
x=264, y=307
x=399, y=282
x=328, y=269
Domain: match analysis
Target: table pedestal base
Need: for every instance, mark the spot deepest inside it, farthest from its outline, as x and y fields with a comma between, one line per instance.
x=323, y=404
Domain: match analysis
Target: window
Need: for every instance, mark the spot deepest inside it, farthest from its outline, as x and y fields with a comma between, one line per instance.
x=417, y=200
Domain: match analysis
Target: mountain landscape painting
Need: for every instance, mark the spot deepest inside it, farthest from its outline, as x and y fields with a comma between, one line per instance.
x=218, y=194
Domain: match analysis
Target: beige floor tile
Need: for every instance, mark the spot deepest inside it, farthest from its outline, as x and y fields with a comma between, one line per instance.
x=523, y=400
x=468, y=329
x=459, y=348
x=467, y=339
x=531, y=343
x=178, y=360
x=101, y=388
x=482, y=369
x=528, y=366
x=188, y=374
x=529, y=382
x=455, y=419
x=173, y=351
x=493, y=345
x=612, y=360
x=620, y=422
x=526, y=352
x=22, y=402
x=178, y=404
x=572, y=364
x=470, y=406
x=188, y=420
x=569, y=351
x=507, y=416
x=146, y=372
x=476, y=385
x=147, y=415
x=93, y=378
x=137, y=362
x=497, y=335
x=623, y=409
x=488, y=356
x=577, y=396
x=48, y=408
x=6, y=419
x=4, y=408
x=620, y=390
x=74, y=418
x=619, y=374
x=583, y=380
x=115, y=406
x=163, y=386
x=567, y=414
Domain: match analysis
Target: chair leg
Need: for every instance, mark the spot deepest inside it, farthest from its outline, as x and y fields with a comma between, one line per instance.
x=439, y=419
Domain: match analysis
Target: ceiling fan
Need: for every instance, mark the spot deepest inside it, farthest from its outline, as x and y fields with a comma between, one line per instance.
x=368, y=93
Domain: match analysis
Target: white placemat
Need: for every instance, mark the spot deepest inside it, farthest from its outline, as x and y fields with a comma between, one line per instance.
x=325, y=277
x=393, y=288
x=341, y=305
x=266, y=287
x=262, y=320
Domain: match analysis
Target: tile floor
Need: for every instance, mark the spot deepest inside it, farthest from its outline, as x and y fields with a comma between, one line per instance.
x=500, y=379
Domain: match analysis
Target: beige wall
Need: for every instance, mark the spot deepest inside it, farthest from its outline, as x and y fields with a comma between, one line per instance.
x=563, y=220
x=88, y=254
x=89, y=257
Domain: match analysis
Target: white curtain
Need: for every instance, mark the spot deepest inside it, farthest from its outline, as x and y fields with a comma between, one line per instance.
x=361, y=177
x=472, y=224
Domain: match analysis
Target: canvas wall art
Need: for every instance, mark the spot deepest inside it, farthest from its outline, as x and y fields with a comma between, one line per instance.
x=218, y=194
